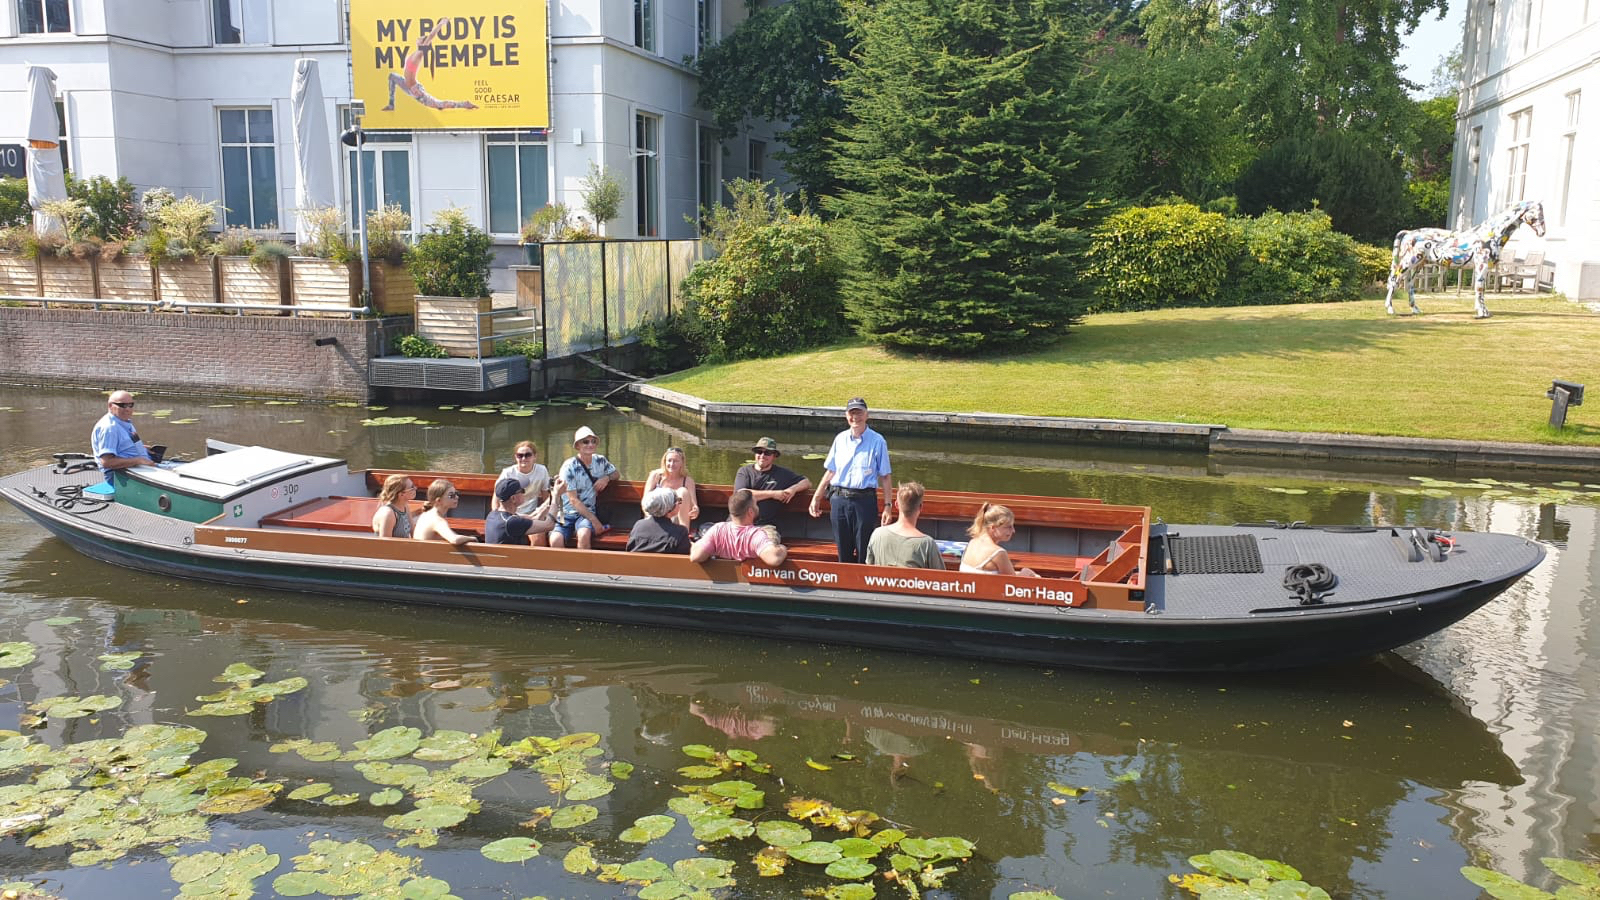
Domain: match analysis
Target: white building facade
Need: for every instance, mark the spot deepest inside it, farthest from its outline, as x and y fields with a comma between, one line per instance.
x=193, y=95
x=1529, y=67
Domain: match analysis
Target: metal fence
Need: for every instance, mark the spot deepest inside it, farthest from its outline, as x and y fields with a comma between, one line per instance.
x=600, y=293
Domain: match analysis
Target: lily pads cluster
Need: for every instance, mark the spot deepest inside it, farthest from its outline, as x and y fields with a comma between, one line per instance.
x=1520, y=491
x=110, y=796
x=242, y=694
x=16, y=654
x=344, y=869
x=378, y=421
x=1583, y=880
x=521, y=409
x=231, y=875
x=1234, y=875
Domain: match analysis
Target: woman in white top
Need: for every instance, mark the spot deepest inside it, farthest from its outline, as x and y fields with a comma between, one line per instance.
x=531, y=474
x=993, y=526
x=431, y=525
x=674, y=474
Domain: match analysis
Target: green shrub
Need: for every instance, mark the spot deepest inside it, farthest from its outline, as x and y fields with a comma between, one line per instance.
x=1362, y=187
x=452, y=259
x=668, y=345
x=387, y=227
x=1374, y=262
x=418, y=347
x=532, y=349
x=601, y=193
x=1154, y=257
x=1293, y=258
x=773, y=289
x=268, y=253
x=113, y=212
x=186, y=223
x=14, y=208
x=326, y=239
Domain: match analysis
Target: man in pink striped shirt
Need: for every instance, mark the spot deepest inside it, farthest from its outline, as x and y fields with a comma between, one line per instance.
x=739, y=538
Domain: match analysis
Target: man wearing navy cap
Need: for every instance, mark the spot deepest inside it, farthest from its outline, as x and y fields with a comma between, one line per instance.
x=857, y=468
x=503, y=525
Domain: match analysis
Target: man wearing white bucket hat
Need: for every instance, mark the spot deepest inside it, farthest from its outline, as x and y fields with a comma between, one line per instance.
x=586, y=474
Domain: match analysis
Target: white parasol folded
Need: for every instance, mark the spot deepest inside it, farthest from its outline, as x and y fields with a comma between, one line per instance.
x=313, y=159
x=46, y=178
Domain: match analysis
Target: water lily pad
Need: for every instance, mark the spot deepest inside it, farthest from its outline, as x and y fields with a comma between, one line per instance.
x=645, y=870
x=442, y=746
x=511, y=849
x=74, y=707
x=574, y=816
x=237, y=801
x=850, y=869
x=700, y=771
x=16, y=654
x=779, y=833
x=858, y=848
x=379, y=421
x=480, y=768
x=588, y=788
x=441, y=815
x=400, y=774
x=182, y=421
x=579, y=861
x=621, y=770
x=239, y=673
x=62, y=620
x=385, y=797
x=704, y=873
x=118, y=662
x=311, y=791
x=819, y=852
x=341, y=799
x=720, y=829
x=390, y=743
x=858, y=891
x=648, y=828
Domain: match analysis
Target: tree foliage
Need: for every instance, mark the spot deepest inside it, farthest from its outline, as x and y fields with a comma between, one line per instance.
x=780, y=65
x=961, y=190
x=1360, y=187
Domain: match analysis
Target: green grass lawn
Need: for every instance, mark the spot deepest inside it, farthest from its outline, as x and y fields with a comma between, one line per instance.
x=1337, y=367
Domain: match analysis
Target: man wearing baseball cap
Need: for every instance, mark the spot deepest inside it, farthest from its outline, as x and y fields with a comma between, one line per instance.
x=772, y=485
x=857, y=468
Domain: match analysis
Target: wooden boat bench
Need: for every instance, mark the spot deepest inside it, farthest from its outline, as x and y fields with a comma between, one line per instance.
x=351, y=514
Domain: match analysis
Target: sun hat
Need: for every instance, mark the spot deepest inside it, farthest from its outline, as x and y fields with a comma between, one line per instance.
x=855, y=403
x=581, y=433
x=506, y=488
x=660, y=501
x=767, y=443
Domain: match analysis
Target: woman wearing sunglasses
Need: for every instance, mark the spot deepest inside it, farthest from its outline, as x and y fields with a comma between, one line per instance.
x=531, y=474
x=431, y=525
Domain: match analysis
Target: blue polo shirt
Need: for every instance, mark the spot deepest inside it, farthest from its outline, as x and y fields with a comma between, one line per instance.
x=858, y=463
x=118, y=438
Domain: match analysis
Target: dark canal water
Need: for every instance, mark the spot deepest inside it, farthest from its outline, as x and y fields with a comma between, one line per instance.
x=1475, y=747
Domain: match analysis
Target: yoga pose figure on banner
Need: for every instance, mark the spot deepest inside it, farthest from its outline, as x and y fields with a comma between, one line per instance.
x=1477, y=247
x=408, y=81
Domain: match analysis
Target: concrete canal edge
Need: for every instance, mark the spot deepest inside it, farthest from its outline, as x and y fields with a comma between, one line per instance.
x=1215, y=440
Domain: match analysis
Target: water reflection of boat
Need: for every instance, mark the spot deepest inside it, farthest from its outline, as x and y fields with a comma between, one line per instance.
x=1120, y=591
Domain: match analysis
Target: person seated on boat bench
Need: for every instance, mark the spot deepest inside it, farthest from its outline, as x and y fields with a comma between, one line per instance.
x=902, y=543
x=393, y=518
x=431, y=525
x=659, y=531
x=993, y=525
x=531, y=474
x=503, y=525
x=674, y=474
x=772, y=485
x=739, y=538
x=115, y=442
x=585, y=475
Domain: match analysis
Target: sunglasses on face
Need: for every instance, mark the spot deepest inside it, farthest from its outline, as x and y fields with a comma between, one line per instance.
x=453, y=495
x=588, y=442
x=524, y=455
x=123, y=405
x=766, y=453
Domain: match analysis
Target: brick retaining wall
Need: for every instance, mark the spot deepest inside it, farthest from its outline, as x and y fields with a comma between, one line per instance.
x=233, y=355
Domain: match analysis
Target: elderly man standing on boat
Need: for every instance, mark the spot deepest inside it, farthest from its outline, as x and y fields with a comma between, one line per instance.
x=857, y=468
x=115, y=441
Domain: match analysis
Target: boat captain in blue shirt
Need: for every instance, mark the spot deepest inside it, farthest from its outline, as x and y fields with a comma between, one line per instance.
x=115, y=441
x=857, y=469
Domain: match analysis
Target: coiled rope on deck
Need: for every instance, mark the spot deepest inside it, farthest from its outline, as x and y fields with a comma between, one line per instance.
x=1309, y=582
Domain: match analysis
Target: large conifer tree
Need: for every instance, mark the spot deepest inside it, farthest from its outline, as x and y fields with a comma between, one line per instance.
x=964, y=185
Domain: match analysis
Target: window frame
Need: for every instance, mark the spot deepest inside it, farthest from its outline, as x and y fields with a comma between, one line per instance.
x=705, y=25
x=250, y=182
x=707, y=181
x=261, y=41
x=644, y=25
x=1517, y=156
x=516, y=139
x=1570, y=143
x=377, y=143
x=647, y=174
x=43, y=7
x=756, y=160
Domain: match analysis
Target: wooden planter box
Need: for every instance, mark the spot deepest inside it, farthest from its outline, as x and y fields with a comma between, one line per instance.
x=63, y=276
x=461, y=325
x=186, y=281
x=241, y=281
x=126, y=278
x=394, y=291
x=19, y=276
x=324, y=282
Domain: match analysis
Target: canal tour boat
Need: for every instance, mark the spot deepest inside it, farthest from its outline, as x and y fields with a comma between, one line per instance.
x=1117, y=590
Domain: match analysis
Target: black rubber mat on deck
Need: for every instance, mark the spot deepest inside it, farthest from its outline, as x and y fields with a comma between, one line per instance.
x=1214, y=555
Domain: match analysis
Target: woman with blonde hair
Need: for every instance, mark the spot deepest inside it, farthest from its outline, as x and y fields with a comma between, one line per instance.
x=531, y=474
x=993, y=525
x=674, y=475
x=393, y=517
x=431, y=525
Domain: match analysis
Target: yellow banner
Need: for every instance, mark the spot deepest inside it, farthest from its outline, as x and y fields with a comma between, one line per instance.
x=484, y=66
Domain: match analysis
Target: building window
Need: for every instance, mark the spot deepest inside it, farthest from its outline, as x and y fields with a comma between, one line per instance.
x=1517, y=156
x=706, y=171
x=249, y=168
x=644, y=24
x=704, y=24
x=43, y=16
x=241, y=21
x=519, y=178
x=385, y=174
x=647, y=174
x=758, y=161
x=1529, y=23
x=61, y=128
x=1570, y=145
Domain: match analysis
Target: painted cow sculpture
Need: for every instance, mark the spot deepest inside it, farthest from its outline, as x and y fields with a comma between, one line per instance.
x=1478, y=247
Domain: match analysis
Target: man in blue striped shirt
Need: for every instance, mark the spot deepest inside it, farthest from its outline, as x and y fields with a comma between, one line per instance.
x=857, y=468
